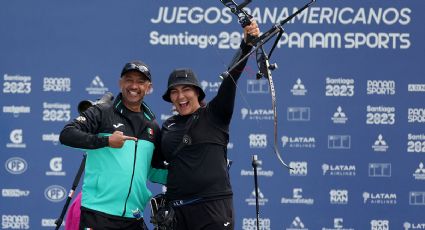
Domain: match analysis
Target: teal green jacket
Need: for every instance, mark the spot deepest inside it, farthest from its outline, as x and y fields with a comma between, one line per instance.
x=115, y=178
x=108, y=186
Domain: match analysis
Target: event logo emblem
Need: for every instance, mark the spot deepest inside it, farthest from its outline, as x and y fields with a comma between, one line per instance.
x=97, y=87
x=379, y=169
x=257, y=86
x=299, y=168
x=339, y=87
x=338, y=170
x=417, y=198
x=16, y=165
x=298, y=114
x=380, y=144
x=55, y=193
x=416, y=115
x=55, y=167
x=298, y=89
x=57, y=84
x=411, y=226
x=261, y=199
x=297, y=198
x=339, y=116
x=258, y=141
x=16, y=139
x=339, y=142
x=379, y=225
x=379, y=198
x=208, y=86
x=16, y=110
x=15, y=222
x=416, y=143
x=297, y=224
x=380, y=115
x=338, y=196
x=380, y=87
x=16, y=84
x=420, y=172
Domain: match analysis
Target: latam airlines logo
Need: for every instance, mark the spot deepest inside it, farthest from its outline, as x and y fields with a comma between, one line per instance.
x=208, y=86
x=16, y=139
x=257, y=114
x=298, y=89
x=380, y=198
x=298, y=142
x=413, y=226
x=97, y=87
x=380, y=145
x=338, y=170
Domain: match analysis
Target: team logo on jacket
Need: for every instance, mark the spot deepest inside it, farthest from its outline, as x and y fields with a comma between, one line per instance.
x=150, y=133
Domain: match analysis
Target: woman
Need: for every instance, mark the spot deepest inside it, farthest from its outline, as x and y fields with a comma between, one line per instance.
x=194, y=143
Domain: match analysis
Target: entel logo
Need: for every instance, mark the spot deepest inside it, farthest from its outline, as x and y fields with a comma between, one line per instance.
x=16, y=165
x=55, y=193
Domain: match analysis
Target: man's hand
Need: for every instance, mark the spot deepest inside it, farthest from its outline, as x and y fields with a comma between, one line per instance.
x=117, y=139
x=251, y=30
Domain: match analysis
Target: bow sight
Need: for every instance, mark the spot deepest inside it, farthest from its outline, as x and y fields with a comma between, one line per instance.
x=262, y=58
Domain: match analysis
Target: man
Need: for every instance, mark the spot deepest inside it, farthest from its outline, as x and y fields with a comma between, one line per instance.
x=122, y=142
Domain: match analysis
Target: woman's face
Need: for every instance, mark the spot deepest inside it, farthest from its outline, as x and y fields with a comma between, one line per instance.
x=185, y=99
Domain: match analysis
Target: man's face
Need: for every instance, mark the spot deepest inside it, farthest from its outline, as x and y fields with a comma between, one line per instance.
x=134, y=86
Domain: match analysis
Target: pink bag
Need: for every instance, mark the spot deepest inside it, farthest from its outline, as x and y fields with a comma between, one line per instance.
x=72, y=221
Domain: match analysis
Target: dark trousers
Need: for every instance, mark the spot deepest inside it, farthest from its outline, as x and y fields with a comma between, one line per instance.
x=209, y=215
x=98, y=221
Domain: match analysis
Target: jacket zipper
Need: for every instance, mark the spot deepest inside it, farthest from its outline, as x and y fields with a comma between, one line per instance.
x=131, y=182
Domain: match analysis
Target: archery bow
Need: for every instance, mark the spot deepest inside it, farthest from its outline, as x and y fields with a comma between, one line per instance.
x=262, y=58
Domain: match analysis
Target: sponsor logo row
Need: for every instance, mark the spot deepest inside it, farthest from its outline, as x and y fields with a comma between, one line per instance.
x=335, y=86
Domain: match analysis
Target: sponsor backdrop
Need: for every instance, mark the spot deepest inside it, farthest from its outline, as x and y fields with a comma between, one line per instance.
x=350, y=100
